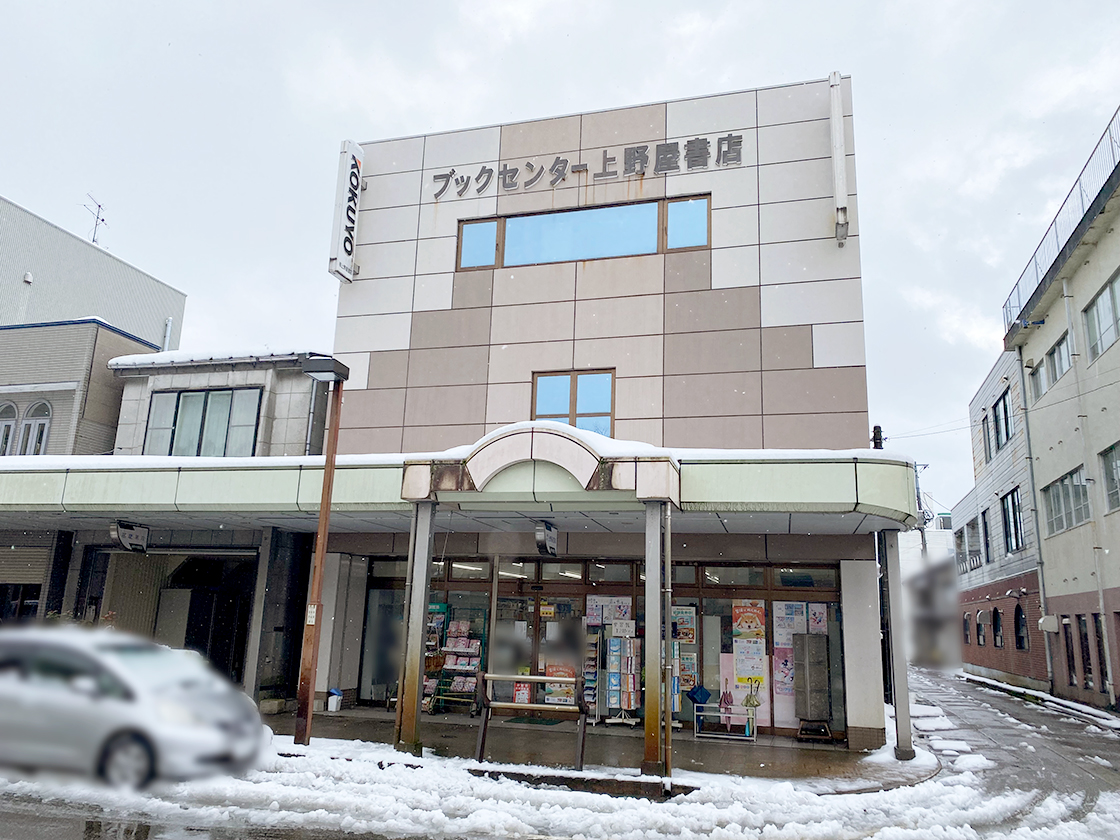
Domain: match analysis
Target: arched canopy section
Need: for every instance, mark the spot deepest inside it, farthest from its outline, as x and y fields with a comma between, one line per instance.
x=549, y=443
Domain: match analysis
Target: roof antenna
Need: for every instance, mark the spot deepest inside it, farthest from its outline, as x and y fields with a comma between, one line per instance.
x=98, y=217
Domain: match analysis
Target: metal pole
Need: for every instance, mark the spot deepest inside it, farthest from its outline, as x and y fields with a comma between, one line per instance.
x=904, y=745
x=410, y=694
x=402, y=671
x=652, y=763
x=309, y=657
x=667, y=584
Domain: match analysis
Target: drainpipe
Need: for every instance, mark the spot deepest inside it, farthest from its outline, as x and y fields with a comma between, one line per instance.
x=1035, y=519
x=167, y=334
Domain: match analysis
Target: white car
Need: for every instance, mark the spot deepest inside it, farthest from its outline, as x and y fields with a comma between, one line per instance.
x=121, y=707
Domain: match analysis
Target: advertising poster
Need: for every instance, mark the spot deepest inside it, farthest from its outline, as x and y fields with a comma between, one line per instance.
x=625, y=628
x=559, y=692
x=789, y=618
x=522, y=692
x=785, y=707
x=733, y=695
x=748, y=619
x=684, y=621
x=689, y=671
x=606, y=609
x=818, y=618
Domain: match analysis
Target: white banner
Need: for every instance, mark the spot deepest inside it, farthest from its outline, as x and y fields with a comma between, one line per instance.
x=348, y=194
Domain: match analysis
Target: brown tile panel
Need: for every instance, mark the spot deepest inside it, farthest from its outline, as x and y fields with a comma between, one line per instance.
x=647, y=431
x=518, y=362
x=388, y=369
x=719, y=546
x=534, y=284
x=365, y=409
x=816, y=431
x=471, y=289
x=638, y=397
x=717, y=309
x=641, y=355
x=688, y=271
x=714, y=432
x=540, y=137
x=822, y=547
x=620, y=277
x=365, y=441
x=820, y=391
x=610, y=317
x=452, y=404
x=713, y=394
x=438, y=438
x=627, y=125
x=712, y=352
x=450, y=328
x=448, y=366
x=787, y=348
x=532, y=322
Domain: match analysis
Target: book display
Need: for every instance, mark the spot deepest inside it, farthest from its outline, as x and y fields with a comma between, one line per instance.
x=433, y=659
x=456, y=687
x=624, y=690
x=591, y=671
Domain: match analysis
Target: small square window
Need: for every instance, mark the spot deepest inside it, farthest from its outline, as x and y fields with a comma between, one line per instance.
x=687, y=223
x=554, y=395
x=479, y=246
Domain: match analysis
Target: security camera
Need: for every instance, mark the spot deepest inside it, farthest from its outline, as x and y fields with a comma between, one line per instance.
x=1009, y=593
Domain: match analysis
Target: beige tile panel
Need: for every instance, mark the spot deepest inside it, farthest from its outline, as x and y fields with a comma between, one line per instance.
x=534, y=284
x=748, y=153
x=787, y=348
x=439, y=438
x=509, y=402
x=441, y=218
x=364, y=441
x=391, y=224
x=624, y=126
x=448, y=366
x=727, y=351
x=433, y=291
x=383, y=407
x=435, y=256
x=801, y=141
x=718, y=309
x=539, y=137
x=372, y=332
x=734, y=226
x=816, y=431
x=359, y=370
x=813, y=218
x=457, y=148
x=395, y=190
x=713, y=394
x=729, y=186
x=838, y=345
x=518, y=362
x=824, y=302
x=472, y=289
x=636, y=398
x=809, y=260
x=819, y=391
x=563, y=197
x=375, y=297
x=450, y=328
x=452, y=404
x=532, y=322
x=393, y=156
x=390, y=259
x=735, y=267
x=710, y=114
x=630, y=356
x=610, y=317
x=794, y=103
x=714, y=432
x=388, y=369
x=429, y=186
x=618, y=190
x=620, y=277
x=647, y=431
x=800, y=179
x=688, y=271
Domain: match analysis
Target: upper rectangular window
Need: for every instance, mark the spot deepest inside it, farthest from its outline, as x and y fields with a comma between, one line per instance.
x=584, y=399
x=986, y=432
x=1066, y=501
x=622, y=230
x=207, y=423
x=1102, y=318
x=1001, y=414
x=1057, y=360
x=1012, y=521
x=1110, y=469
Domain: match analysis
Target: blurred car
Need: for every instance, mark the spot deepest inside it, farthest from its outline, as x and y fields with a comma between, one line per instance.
x=119, y=706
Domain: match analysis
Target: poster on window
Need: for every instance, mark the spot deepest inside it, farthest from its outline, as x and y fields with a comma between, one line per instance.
x=522, y=692
x=748, y=619
x=608, y=608
x=559, y=692
x=818, y=618
x=734, y=695
x=789, y=618
x=689, y=671
x=684, y=625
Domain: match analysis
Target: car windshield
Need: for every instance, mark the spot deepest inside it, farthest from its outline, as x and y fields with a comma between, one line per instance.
x=157, y=666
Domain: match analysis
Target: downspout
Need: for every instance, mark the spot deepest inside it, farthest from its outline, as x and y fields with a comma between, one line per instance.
x=167, y=334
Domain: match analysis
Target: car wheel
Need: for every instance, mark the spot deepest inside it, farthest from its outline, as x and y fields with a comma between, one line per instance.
x=127, y=762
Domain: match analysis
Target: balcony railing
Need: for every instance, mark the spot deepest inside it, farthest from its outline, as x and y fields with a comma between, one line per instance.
x=1101, y=163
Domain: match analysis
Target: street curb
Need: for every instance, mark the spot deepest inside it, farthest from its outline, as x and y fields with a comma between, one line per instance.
x=1049, y=700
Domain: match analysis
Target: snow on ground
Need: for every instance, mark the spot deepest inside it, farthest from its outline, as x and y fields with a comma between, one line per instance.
x=933, y=724
x=943, y=744
x=1101, y=717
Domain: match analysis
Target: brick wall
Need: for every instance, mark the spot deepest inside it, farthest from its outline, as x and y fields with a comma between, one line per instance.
x=1008, y=660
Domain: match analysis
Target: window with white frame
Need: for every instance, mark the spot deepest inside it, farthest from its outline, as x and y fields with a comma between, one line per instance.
x=1001, y=415
x=986, y=433
x=1110, y=469
x=36, y=429
x=1012, y=521
x=1066, y=501
x=1038, y=382
x=8, y=419
x=208, y=423
x=1057, y=360
x=1102, y=318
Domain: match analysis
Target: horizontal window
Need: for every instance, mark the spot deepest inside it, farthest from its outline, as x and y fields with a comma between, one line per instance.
x=623, y=230
x=734, y=576
x=571, y=572
x=807, y=578
x=1067, y=501
x=470, y=570
x=609, y=572
x=207, y=423
x=517, y=569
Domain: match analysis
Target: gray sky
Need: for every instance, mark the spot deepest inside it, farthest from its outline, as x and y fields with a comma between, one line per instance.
x=210, y=132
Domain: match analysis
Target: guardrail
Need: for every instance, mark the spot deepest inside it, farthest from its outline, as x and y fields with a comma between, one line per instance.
x=489, y=704
x=1101, y=163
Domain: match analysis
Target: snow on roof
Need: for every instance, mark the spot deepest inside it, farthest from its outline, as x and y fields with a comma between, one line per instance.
x=184, y=357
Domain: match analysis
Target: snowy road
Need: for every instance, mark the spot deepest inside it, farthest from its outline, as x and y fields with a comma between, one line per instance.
x=1019, y=771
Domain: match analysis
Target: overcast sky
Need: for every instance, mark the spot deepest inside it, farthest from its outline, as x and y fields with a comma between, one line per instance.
x=210, y=132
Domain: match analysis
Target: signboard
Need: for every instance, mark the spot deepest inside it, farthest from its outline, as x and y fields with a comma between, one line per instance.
x=348, y=191
x=129, y=536
x=546, y=539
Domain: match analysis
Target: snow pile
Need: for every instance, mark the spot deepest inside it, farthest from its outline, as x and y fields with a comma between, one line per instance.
x=1100, y=716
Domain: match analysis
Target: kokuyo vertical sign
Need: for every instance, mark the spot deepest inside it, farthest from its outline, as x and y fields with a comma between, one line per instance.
x=347, y=197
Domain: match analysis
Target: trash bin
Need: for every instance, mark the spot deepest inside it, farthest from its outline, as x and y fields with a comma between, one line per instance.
x=334, y=700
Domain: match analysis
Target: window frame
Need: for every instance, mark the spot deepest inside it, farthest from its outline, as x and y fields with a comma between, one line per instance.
x=1011, y=512
x=997, y=628
x=1110, y=470
x=9, y=428
x=1001, y=412
x=981, y=637
x=662, y=232
x=573, y=383
x=1022, y=637
x=1111, y=289
x=1058, y=502
x=1060, y=351
x=965, y=630
x=207, y=392
x=986, y=432
x=28, y=430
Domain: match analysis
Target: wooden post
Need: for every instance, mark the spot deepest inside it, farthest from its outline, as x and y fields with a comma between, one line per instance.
x=652, y=763
x=411, y=693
